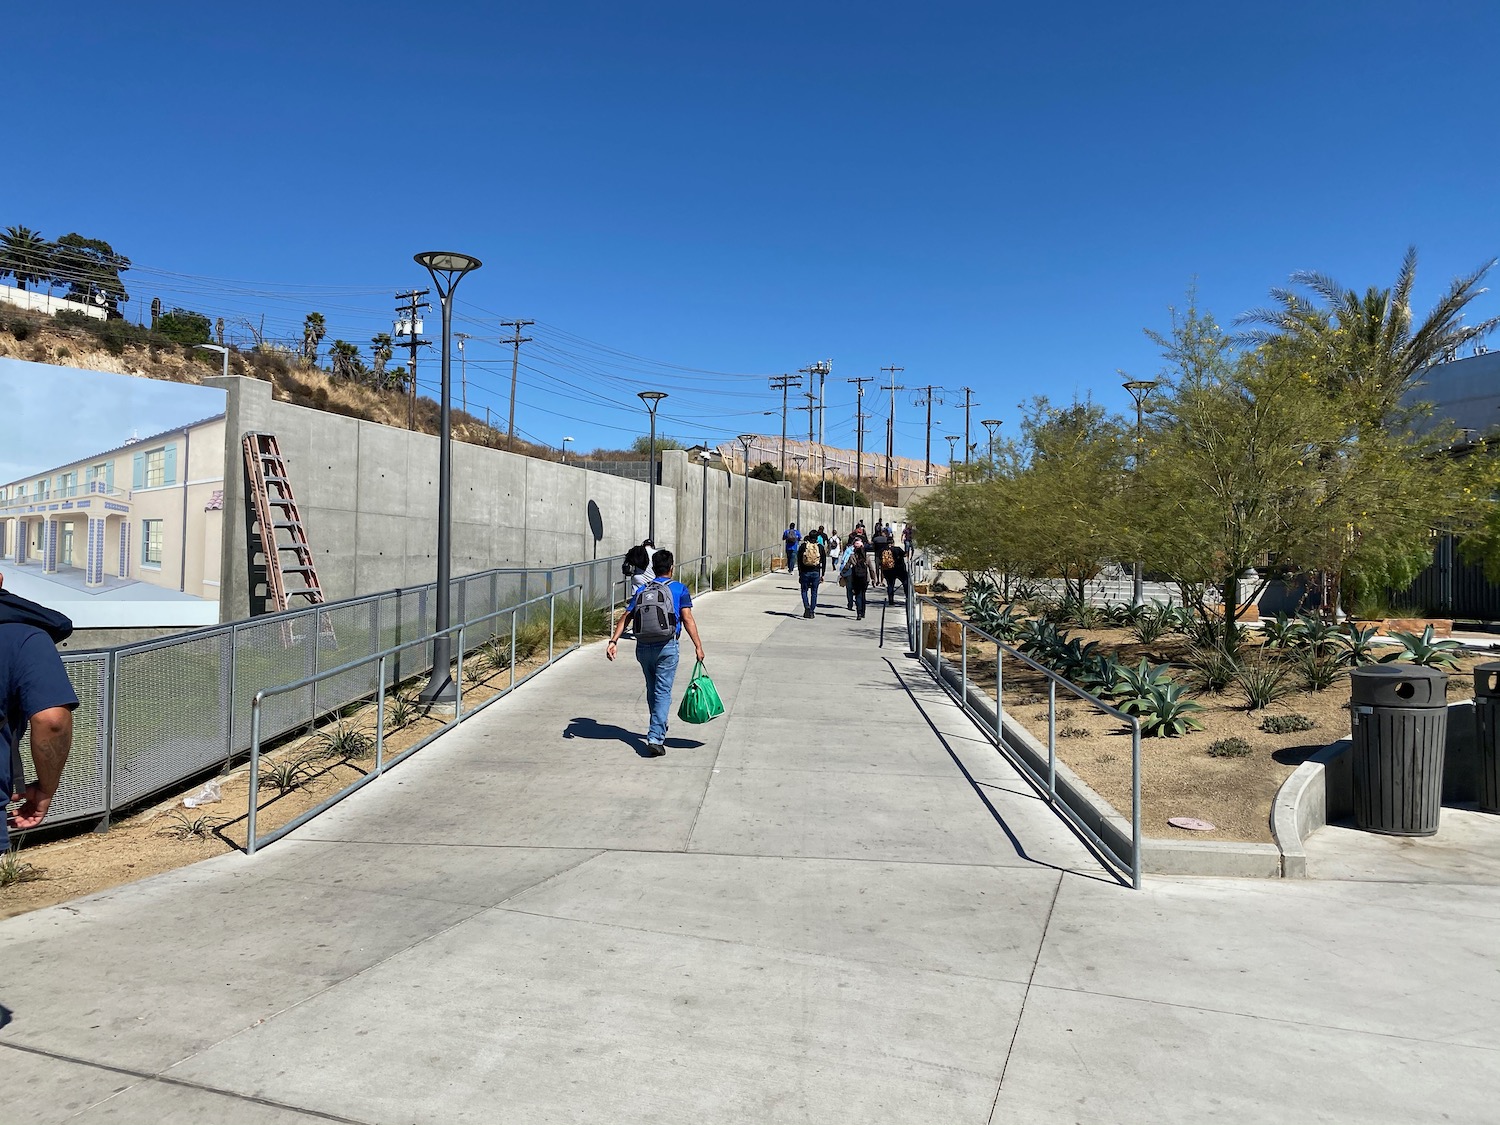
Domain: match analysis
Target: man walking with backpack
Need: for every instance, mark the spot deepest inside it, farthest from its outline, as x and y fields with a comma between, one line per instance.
x=810, y=573
x=789, y=539
x=659, y=611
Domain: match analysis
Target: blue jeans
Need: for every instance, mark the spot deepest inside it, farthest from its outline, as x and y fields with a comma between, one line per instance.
x=659, y=663
x=810, y=582
x=791, y=560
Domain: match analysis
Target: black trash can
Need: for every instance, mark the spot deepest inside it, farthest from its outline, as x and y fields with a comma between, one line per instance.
x=1399, y=723
x=1487, y=733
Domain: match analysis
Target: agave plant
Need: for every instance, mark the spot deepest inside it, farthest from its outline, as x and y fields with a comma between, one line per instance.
x=1098, y=675
x=1318, y=635
x=1071, y=656
x=1320, y=670
x=1143, y=679
x=1281, y=631
x=1040, y=640
x=1164, y=713
x=981, y=597
x=1264, y=682
x=1425, y=650
x=1153, y=622
x=1359, y=644
x=1002, y=623
x=1213, y=667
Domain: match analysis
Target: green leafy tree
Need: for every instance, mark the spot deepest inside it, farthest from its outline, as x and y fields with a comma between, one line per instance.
x=25, y=256
x=91, y=270
x=642, y=444
x=765, y=471
x=314, y=328
x=184, y=326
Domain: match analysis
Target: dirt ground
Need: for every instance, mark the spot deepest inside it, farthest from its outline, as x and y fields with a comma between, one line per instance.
x=153, y=840
x=1178, y=777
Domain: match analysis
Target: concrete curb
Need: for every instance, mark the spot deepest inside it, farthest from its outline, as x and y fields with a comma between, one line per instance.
x=1230, y=858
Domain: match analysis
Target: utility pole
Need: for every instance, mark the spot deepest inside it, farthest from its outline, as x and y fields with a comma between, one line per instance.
x=969, y=404
x=781, y=383
x=859, y=426
x=890, y=426
x=930, y=394
x=515, y=362
x=463, y=370
x=821, y=369
x=411, y=328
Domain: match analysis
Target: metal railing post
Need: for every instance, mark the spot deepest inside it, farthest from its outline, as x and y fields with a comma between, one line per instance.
x=963, y=663
x=458, y=695
x=999, y=693
x=512, y=649
x=1135, y=804
x=255, y=705
x=1052, y=739
x=580, y=619
x=551, y=623
x=380, y=720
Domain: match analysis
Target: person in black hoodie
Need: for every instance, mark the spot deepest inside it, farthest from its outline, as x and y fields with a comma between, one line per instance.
x=35, y=692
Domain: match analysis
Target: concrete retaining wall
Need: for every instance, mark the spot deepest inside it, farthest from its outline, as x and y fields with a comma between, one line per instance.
x=368, y=497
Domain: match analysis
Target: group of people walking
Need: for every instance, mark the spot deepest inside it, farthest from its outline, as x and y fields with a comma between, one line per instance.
x=864, y=558
x=660, y=607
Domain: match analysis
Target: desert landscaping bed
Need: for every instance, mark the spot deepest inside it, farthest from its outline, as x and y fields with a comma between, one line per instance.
x=1179, y=777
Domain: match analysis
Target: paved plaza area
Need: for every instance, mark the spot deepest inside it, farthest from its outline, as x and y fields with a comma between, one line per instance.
x=835, y=904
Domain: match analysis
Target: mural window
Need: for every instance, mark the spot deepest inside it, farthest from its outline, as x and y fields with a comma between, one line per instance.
x=43, y=488
x=156, y=468
x=151, y=542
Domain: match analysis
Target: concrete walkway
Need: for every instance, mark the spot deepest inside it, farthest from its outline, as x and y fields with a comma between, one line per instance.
x=835, y=904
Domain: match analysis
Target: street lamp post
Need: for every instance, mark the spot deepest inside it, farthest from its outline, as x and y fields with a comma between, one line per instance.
x=991, y=424
x=223, y=351
x=447, y=270
x=652, y=399
x=745, y=440
x=565, y=449
x=703, y=554
x=951, y=438
x=1139, y=390
x=799, y=458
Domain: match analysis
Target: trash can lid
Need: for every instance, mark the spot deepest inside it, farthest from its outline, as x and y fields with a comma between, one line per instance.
x=1487, y=678
x=1398, y=685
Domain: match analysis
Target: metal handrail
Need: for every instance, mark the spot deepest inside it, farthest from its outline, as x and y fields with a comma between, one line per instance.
x=254, y=842
x=997, y=733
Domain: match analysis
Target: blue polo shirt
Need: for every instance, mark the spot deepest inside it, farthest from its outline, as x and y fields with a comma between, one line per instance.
x=32, y=679
x=682, y=598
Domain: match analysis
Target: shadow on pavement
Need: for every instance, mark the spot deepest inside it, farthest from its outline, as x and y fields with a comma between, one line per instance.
x=596, y=731
x=1108, y=875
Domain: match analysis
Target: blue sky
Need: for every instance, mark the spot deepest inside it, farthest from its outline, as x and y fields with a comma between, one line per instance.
x=992, y=196
x=54, y=415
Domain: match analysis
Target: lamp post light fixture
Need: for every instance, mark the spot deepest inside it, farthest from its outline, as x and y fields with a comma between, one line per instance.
x=447, y=270
x=991, y=424
x=652, y=399
x=565, y=449
x=950, y=439
x=745, y=440
x=799, y=458
x=222, y=350
x=1139, y=390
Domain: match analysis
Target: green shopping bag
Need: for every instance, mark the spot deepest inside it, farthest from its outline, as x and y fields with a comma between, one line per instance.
x=701, y=701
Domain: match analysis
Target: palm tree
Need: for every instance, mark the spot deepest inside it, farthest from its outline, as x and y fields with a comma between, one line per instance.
x=26, y=256
x=380, y=347
x=345, y=359
x=1366, y=345
x=313, y=331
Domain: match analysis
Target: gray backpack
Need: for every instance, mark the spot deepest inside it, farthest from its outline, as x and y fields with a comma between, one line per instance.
x=655, y=623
